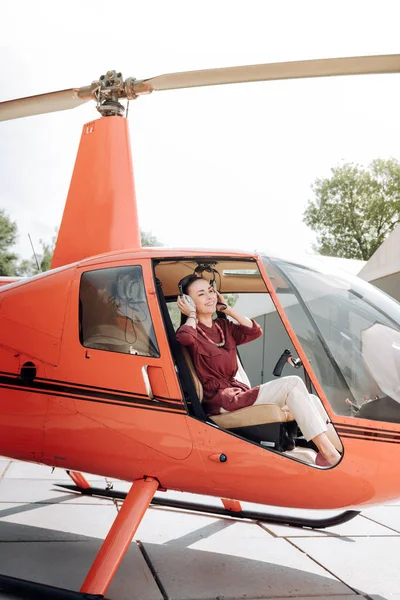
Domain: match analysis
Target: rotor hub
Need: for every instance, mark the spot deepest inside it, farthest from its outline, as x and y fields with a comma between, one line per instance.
x=111, y=108
x=109, y=89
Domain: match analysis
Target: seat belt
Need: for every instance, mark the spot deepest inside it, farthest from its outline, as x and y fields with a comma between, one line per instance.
x=189, y=392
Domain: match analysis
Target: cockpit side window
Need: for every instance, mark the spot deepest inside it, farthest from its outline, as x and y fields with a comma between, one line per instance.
x=114, y=313
x=351, y=335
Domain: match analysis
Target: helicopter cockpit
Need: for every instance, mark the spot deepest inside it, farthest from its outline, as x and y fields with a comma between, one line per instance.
x=263, y=360
x=342, y=324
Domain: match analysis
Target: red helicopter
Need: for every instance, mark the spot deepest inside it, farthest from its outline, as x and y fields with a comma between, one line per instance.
x=92, y=378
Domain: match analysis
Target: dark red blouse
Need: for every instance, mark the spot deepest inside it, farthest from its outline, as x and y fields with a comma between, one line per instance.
x=216, y=367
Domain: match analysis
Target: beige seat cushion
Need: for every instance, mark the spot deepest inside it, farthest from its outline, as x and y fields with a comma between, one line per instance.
x=253, y=415
x=244, y=417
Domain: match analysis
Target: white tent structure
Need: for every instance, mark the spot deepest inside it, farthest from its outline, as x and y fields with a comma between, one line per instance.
x=383, y=268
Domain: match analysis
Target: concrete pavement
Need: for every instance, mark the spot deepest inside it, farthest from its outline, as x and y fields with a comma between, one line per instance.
x=52, y=537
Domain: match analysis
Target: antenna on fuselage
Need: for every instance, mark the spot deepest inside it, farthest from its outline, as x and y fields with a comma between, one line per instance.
x=34, y=254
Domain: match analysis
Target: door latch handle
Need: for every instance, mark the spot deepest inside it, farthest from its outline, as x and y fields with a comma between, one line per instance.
x=147, y=383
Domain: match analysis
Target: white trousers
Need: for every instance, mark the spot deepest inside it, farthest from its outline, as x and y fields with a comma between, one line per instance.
x=306, y=408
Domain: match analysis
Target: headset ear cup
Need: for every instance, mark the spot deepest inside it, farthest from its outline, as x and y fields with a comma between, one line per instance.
x=134, y=290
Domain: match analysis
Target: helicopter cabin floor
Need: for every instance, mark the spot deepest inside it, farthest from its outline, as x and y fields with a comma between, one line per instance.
x=50, y=536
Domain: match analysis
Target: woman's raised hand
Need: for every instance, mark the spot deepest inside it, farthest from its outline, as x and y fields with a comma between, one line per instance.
x=185, y=307
x=221, y=304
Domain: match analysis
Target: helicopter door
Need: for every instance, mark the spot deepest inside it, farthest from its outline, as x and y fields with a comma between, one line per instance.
x=116, y=354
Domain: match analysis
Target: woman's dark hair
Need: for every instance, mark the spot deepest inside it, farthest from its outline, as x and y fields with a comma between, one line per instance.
x=187, y=281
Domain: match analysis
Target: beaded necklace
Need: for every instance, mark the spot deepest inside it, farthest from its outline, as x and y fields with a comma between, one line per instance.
x=203, y=333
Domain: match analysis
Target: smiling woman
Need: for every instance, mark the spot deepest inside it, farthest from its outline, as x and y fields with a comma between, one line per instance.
x=212, y=348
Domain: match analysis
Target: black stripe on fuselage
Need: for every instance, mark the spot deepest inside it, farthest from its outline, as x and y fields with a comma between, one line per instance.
x=366, y=428
x=48, y=387
x=368, y=435
x=83, y=386
x=368, y=439
x=98, y=401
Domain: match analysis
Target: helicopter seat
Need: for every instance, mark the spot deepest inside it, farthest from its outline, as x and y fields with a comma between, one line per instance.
x=266, y=424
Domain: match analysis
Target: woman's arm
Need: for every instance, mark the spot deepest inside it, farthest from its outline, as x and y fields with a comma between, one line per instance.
x=245, y=321
x=245, y=331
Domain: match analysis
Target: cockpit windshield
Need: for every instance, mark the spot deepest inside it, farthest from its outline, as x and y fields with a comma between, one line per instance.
x=350, y=332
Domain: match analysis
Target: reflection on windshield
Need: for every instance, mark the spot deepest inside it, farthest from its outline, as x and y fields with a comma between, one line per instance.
x=350, y=332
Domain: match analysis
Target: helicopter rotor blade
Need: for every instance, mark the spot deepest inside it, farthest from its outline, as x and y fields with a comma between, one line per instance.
x=329, y=67
x=112, y=84
x=44, y=103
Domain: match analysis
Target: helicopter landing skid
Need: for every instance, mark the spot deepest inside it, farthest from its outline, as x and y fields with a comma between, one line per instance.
x=31, y=590
x=109, y=557
x=342, y=517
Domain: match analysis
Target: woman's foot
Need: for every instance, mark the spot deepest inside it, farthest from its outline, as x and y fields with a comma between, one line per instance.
x=321, y=461
x=327, y=455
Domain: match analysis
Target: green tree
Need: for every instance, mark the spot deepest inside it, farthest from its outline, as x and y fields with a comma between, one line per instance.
x=8, y=236
x=148, y=239
x=47, y=254
x=355, y=209
x=29, y=267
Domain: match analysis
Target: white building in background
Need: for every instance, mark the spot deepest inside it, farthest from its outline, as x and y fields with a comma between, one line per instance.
x=383, y=268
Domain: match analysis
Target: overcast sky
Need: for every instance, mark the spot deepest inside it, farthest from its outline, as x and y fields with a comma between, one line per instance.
x=226, y=166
